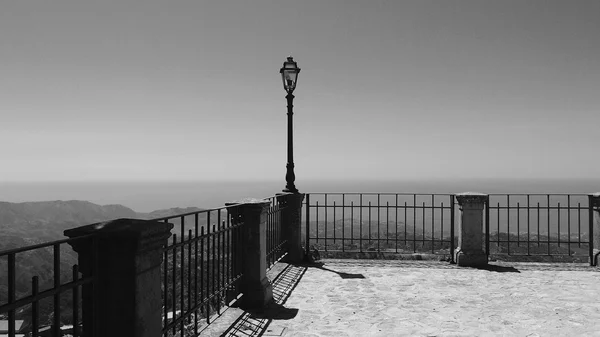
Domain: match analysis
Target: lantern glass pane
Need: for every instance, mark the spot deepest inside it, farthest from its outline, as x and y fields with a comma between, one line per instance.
x=289, y=78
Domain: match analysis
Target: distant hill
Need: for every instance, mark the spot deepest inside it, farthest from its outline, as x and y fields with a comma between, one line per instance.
x=28, y=223
x=41, y=221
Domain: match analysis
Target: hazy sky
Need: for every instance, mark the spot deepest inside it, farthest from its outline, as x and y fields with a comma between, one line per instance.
x=177, y=90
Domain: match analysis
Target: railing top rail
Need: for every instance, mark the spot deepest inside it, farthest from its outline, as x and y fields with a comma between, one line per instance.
x=537, y=194
x=205, y=210
x=380, y=193
x=445, y=194
x=43, y=245
x=193, y=213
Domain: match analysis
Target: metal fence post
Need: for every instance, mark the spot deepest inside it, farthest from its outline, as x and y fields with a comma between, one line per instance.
x=126, y=295
x=452, y=227
x=307, y=228
x=487, y=226
x=594, y=227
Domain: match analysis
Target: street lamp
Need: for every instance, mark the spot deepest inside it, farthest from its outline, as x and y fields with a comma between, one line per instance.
x=289, y=76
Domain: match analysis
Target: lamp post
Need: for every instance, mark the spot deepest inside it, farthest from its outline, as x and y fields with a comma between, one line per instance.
x=289, y=76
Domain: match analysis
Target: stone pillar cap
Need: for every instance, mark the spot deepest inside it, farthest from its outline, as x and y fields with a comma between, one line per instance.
x=251, y=201
x=126, y=227
x=474, y=194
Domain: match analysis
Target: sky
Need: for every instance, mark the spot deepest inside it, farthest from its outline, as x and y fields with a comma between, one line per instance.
x=190, y=90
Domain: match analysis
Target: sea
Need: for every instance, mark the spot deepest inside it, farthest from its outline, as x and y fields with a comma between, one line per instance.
x=146, y=196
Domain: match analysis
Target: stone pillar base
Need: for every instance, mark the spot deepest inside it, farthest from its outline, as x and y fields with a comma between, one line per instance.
x=596, y=257
x=291, y=225
x=257, y=294
x=474, y=259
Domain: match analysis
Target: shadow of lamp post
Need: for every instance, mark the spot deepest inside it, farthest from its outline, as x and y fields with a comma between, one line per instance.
x=289, y=76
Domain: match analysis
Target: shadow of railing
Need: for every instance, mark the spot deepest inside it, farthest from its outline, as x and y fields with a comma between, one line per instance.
x=499, y=269
x=255, y=322
x=320, y=265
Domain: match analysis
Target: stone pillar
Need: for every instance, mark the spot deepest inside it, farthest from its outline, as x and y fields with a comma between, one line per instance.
x=125, y=258
x=594, y=204
x=291, y=224
x=255, y=285
x=469, y=252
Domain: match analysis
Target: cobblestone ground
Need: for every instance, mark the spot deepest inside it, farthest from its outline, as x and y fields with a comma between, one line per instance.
x=425, y=298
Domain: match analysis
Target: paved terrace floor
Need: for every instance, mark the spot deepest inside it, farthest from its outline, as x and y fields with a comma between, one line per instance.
x=423, y=298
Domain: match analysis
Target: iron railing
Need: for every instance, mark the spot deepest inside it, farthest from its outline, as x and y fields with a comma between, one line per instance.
x=276, y=243
x=201, y=268
x=44, y=304
x=202, y=264
x=380, y=222
x=538, y=224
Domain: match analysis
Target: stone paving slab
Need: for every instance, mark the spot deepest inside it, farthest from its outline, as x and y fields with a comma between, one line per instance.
x=427, y=298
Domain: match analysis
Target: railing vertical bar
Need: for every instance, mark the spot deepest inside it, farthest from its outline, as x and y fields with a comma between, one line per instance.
x=351, y=223
x=498, y=218
x=548, y=208
x=334, y=209
x=518, y=225
x=317, y=222
x=360, y=220
x=182, y=275
x=487, y=225
x=343, y=222
x=210, y=285
x=423, y=227
x=35, y=307
x=223, y=253
x=442, y=225
x=189, y=270
x=369, y=223
x=203, y=278
x=538, y=217
x=452, y=216
x=528, y=225
x=307, y=234
x=508, y=223
x=165, y=288
x=405, y=225
x=558, y=228
x=414, y=223
x=396, y=222
x=217, y=254
x=270, y=252
x=174, y=284
x=56, y=320
x=214, y=264
x=326, y=219
x=378, y=222
x=228, y=250
x=387, y=224
x=433, y=224
x=579, y=224
x=569, y=223
x=196, y=273
x=11, y=293
x=591, y=230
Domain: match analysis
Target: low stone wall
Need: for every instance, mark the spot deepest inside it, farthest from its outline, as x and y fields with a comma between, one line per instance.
x=382, y=256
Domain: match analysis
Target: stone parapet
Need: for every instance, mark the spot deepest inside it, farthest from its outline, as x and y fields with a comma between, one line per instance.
x=125, y=260
x=255, y=285
x=291, y=224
